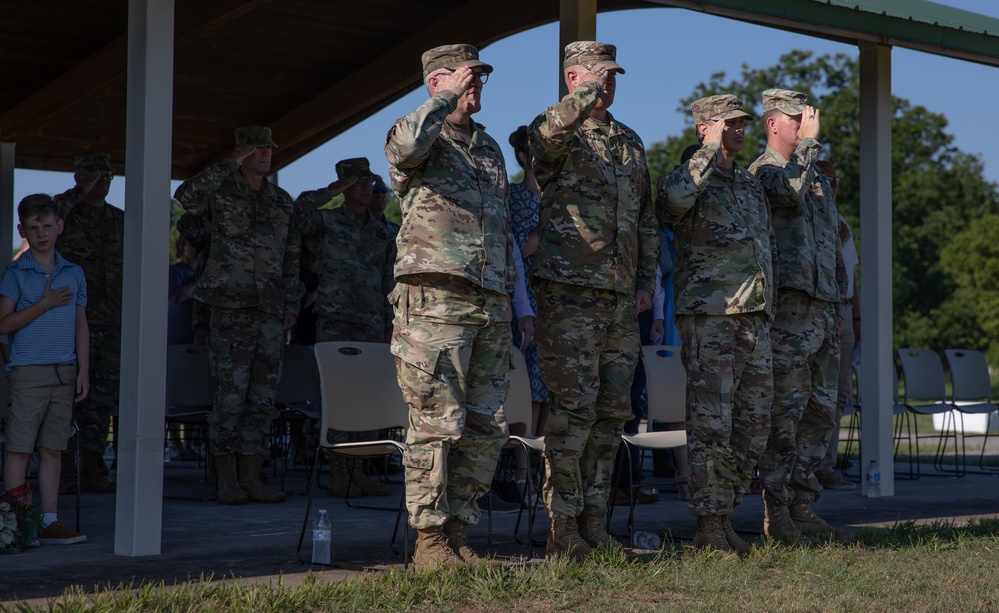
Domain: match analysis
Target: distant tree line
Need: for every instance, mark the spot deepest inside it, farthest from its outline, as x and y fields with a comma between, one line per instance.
x=945, y=222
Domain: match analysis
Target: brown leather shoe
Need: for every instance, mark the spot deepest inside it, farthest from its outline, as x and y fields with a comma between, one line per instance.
x=57, y=533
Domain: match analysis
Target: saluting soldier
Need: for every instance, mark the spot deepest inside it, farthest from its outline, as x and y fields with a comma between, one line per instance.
x=723, y=279
x=454, y=272
x=811, y=283
x=594, y=270
x=250, y=282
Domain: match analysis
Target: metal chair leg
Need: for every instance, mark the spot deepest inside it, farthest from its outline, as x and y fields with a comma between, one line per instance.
x=313, y=482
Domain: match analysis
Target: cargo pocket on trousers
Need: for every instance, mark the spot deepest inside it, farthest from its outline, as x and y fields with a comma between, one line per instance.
x=421, y=456
x=419, y=379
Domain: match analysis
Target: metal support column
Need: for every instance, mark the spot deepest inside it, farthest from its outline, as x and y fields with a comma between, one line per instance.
x=6, y=200
x=577, y=21
x=876, y=265
x=148, y=136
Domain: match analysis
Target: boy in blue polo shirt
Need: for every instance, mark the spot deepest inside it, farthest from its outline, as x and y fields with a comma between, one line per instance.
x=42, y=301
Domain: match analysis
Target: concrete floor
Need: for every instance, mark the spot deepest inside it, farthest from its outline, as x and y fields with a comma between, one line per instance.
x=258, y=542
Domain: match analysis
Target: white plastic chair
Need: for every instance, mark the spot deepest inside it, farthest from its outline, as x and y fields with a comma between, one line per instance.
x=359, y=393
x=296, y=401
x=925, y=393
x=190, y=389
x=900, y=415
x=666, y=385
x=518, y=411
x=971, y=392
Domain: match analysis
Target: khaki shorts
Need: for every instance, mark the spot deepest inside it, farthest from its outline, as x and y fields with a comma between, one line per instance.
x=41, y=406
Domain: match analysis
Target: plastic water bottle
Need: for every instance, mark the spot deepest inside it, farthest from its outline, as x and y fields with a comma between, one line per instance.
x=646, y=540
x=873, y=480
x=322, y=533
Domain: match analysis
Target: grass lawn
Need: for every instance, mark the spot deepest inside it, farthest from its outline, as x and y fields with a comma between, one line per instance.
x=937, y=567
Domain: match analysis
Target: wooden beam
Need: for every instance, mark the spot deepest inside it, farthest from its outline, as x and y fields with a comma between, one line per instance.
x=106, y=68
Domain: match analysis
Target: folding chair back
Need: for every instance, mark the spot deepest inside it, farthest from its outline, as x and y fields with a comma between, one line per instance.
x=359, y=388
x=969, y=373
x=299, y=381
x=517, y=407
x=666, y=383
x=923, y=374
x=359, y=392
x=518, y=410
x=971, y=394
x=190, y=386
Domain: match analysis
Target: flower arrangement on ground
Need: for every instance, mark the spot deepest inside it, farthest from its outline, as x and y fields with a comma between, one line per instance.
x=20, y=522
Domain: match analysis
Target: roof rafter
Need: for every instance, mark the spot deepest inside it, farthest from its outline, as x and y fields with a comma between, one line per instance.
x=107, y=68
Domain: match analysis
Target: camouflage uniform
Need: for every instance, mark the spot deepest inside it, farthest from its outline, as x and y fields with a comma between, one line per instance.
x=598, y=245
x=94, y=238
x=451, y=332
x=250, y=281
x=724, y=278
x=355, y=259
x=811, y=282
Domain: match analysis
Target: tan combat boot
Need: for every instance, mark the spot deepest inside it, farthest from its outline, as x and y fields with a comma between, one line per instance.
x=249, y=481
x=777, y=522
x=591, y=528
x=366, y=485
x=810, y=524
x=734, y=540
x=456, y=532
x=336, y=486
x=432, y=549
x=710, y=535
x=564, y=540
x=91, y=479
x=227, y=490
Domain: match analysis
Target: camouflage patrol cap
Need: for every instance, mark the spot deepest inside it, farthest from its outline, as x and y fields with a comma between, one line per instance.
x=353, y=167
x=255, y=136
x=92, y=161
x=590, y=53
x=718, y=108
x=453, y=57
x=786, y=101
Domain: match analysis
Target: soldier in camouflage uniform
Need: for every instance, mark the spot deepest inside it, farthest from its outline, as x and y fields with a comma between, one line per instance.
x=93, y=238
x=594, y=270
x=355, y=259
x=452, y=318
x=379, y=200
x=811, y=282
x=724, y=278
x=250, y=281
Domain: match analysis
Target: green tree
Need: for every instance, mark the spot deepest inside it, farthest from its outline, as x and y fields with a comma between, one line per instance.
x=937, y=189
x=393, y=212
x=972, y=261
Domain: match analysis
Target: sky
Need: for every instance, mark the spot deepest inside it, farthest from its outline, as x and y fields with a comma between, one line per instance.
x=666, y=53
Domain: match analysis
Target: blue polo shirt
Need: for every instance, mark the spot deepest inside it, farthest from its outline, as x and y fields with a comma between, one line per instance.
x=50, y=338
